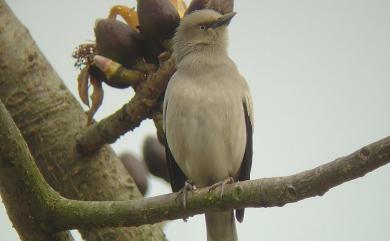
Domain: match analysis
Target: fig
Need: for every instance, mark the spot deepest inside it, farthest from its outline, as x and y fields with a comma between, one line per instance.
x=154, y=156
x=151, y=49
x=117, y=41
x=196, y=5
x=137, y=171
x=158, y=19
x=221, y=6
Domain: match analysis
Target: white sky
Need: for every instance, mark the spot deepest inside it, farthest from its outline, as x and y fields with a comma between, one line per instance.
x=319, y=74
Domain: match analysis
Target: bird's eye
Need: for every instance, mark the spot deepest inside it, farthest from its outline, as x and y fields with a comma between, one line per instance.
x=202, y=27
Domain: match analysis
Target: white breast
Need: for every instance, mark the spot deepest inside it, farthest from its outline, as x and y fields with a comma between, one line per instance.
x=205, y=126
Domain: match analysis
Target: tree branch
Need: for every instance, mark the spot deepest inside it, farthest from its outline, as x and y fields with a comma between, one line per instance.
x=265, y=192
x=61, y=214
x=131, y=114
x=50, y=118
x=22, y=185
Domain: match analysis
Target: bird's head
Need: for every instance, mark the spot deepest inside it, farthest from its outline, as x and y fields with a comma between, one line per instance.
x=201, y=30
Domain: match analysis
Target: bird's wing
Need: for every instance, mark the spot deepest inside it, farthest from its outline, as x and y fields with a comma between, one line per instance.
x=176, y=175
x=246, y=165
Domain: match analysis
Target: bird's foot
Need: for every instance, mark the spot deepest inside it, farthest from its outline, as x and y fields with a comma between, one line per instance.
x=222, y=183
x=188, y=186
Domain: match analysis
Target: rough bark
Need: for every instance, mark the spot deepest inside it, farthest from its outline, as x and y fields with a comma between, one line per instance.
x=23, y=188
x=50, y=118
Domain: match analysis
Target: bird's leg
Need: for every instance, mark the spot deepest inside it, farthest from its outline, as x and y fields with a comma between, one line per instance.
x=222, y=183
x=188, y=186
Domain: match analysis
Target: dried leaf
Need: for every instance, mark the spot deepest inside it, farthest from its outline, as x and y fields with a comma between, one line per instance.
x=128, y=14
x=82, y=80
x=180, y=6
x=97, y=98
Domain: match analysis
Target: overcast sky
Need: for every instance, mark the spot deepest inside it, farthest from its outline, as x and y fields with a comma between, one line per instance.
x=319, y=72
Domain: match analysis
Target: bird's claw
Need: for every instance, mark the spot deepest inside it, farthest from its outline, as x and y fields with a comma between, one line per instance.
x=188, y=186
x=222, y=183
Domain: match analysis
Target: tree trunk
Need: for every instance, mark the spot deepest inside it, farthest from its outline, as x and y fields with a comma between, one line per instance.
x=24, y=191
x=50, y=118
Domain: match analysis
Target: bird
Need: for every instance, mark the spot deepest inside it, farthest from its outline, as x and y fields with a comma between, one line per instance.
x=207, y=115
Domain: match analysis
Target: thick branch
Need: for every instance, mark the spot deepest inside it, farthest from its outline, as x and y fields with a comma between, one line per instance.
x=22, y=187
x=131, y=114
x=61, y=214
x=265, y=192
x=49, y=118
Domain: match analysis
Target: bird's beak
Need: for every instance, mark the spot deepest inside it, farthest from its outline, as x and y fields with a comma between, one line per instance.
x=224, y=20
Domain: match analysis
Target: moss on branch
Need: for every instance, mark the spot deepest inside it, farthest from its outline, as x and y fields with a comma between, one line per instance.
x=265, y=192
x=56, y=213
x=21, y=183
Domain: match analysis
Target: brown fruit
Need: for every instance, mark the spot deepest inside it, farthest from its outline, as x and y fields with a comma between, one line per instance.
x=158, y=19
x=136, y=170
x=117, y=41
x=221, y=6
x=154, y=156
x=196, y=5
x=151, y=49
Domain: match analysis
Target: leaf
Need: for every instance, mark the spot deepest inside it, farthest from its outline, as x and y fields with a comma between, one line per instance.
x=82, y=86
x=180, y=6
x=97, y=98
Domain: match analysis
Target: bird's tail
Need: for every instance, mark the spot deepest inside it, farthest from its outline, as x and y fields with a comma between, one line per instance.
x=221, y=226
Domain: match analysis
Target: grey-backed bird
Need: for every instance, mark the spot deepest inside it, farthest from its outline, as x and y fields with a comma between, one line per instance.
x=208, y=115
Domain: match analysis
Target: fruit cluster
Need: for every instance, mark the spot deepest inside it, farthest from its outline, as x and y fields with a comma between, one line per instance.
x=134, y=45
